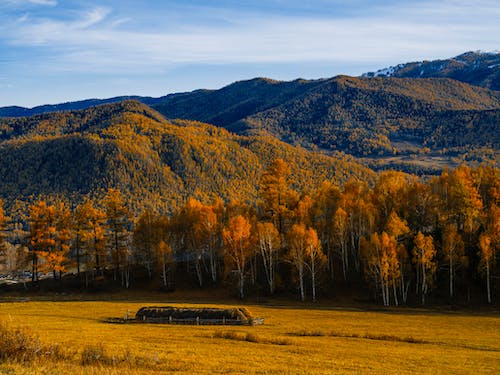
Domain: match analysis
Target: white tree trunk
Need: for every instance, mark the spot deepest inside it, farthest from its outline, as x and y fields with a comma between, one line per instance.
x=451, y=277
x=488, y=281
x=301, y=283
x=424, y=281
x=313, y=280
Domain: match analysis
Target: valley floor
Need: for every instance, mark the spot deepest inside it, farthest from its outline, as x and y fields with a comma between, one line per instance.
x=295, y=339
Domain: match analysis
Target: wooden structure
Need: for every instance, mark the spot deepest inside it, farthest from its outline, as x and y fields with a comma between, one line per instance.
x=204, y=316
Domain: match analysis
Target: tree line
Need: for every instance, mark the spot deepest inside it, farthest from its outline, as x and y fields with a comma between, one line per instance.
x=404, y=238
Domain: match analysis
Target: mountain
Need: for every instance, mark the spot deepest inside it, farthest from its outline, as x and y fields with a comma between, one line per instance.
x=364, y=117
x=14, y=111
x=476, y=68
x=154, y=161
x=360, y=116
x=367, y=117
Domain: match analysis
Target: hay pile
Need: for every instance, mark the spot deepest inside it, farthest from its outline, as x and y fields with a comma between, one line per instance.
x=204, y=315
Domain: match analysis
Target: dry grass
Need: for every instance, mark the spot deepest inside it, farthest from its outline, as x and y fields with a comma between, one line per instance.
x=251, y=337
x=294, y=340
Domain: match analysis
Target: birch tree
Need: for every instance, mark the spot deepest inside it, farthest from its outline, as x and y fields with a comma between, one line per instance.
x=268, y=242
x=237, y=248
x=296, y=240
x=424, y=255
x=454, y=255
x=315, y=259
x=486, y=256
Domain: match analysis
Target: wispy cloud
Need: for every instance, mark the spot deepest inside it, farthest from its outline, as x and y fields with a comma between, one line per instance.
x=35, y=2
x=96, y=39
x=44, y=2
x=50, y=39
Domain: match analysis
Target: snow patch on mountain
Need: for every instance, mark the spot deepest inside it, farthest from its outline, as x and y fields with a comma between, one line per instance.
x=387, y=72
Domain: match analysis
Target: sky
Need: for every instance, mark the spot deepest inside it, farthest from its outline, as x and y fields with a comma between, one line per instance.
x=54, y=51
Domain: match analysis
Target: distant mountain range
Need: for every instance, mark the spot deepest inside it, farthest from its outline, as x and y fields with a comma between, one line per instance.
x=161, y=150
x=476, y=68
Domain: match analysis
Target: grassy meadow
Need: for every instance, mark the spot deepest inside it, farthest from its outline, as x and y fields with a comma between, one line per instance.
x=295, y=339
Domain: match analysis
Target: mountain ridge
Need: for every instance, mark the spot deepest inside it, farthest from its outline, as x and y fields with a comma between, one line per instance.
x=473, y=67
x=366, y=117
x=475, y=59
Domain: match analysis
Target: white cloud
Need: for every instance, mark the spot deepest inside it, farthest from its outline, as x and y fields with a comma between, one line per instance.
x=96, y=41
x=44, y=2
x=36, y=2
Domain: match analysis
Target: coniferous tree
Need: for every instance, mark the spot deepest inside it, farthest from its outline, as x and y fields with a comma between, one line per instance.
x=278, y=199
x=118, y=222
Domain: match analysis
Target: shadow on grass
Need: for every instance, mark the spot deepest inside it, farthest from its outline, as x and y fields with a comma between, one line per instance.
x=383, y=337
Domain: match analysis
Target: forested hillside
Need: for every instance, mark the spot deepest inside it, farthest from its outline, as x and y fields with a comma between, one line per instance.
x=154, y=162
x=360, y=116
x=391, y=113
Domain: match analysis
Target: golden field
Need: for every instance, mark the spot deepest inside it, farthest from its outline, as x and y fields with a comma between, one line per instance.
x=295, y=339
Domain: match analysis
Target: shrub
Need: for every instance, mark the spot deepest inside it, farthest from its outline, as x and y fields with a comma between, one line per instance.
x=95, y=355
x=18, y=344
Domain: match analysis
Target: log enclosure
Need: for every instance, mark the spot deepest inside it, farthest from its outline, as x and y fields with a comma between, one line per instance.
x=204, y=316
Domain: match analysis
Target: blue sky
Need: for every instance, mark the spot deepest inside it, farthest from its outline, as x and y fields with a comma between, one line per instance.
x=60, y=50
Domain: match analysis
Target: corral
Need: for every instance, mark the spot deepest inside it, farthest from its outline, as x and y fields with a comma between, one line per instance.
x=204, y=316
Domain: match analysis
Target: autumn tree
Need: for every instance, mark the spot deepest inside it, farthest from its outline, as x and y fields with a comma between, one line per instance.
x=304, y=211
x=118, y=221
x=325, y=203
x=397, y=228
x=362, y=215
x=94, y=236
x=460, y=201
x=315, y=259
x=187, y=232
x=381, y=263
x=145, y=239
x=468, y=200
x=268, y=243
x=390, y=193
x=237, y=248
x=486, y=255
x=422, y=207
x=304, y=252
x=80, y=228
x=3, y=247
x=23, y=261
x=424, y=255
x=340, y=229
x=278, y=199
x=42, y=233
x=58, y=259
x=49, y=237
x=207, y=233
x=454, y=255
x=165, y=259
